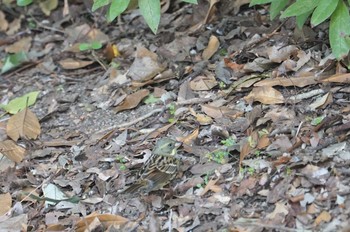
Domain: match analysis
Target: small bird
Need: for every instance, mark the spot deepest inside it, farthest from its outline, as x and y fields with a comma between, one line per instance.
x=158, y=170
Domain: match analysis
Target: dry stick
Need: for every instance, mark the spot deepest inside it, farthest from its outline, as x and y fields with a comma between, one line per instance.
x=149, y=114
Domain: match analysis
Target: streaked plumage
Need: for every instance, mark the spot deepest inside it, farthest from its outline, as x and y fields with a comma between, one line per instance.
x=158, y=170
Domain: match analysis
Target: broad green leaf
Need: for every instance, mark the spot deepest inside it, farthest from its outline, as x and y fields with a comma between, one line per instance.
x=18, y=104
x=99, y=3
x=276, y=7
x=323, y=11
x=339, y=29
x=116, y=8
x=96, y=45
x=24, y=2
x=301, y=19
x=191, y=1
x=150, y=10
x=14, y=60
x=84, y=46
x=259, y=2
x=299, y=7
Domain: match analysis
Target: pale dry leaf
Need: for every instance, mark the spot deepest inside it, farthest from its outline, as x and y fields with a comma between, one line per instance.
x=265, y=95
x=21, y=45
x=338, y=78
x=105, y=219
x=145, y=65
x=201, y=83
x=5, y=202
x=3, y=22
x=286, y=82
x=189, y=139
x=280, y=54
x=132, y=100
x=12, y=151
x=322, y=101
x=323, y=217
x=47, y=6
x=24, y=124
x=70, y=63
x=213, y=46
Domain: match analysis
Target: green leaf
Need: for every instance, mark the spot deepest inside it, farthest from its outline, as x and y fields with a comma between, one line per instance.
x=323, y=11
x=301, y=19
x=96, y=45
x=259, y=2
x=299, y=7
x=317, y=120
x=276, y=7
x=116, y=8
x=84, y=46
x=339, y=29
x=98, y=4
x=151, y=99
x=150, y=10
x=14, y=60
x=191, y=1
x=24, y=2
x=18, y=104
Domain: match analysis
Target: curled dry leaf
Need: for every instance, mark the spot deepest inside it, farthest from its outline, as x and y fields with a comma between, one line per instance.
x=105, y=219
x=265, y=95
x=213, y=46
x=24, y=124
x=286, y=82
x=189, y=139
x=12, y=151
x=132, y=100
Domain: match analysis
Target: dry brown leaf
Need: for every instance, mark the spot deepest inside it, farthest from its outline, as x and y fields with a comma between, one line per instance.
x=21, y=45
x=219, y=112
x=323, y=217
x=145, y=65
x=24, y=124
x=74, y=63
x=244, y=151
x=132, y=100
x=106, y=219
x=280, y=54
x=323, y=101
x=263, y=142
x=281, y=208
x=213, y=46
x=338, y=78
x=211, y=186
x=189, y=139
x=286, y=82
x=12, y=151
x=233, y=65
x=265, y=95
x=203, y=83
x=3, y=22
x=5, y=202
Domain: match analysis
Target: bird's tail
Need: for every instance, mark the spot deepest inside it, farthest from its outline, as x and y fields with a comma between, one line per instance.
x=139, y=186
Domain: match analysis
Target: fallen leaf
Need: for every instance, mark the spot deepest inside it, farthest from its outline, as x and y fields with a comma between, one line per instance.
x=265, y=95
x=323, y=217
x=24, y=124
x=201, y=83
x=21, y=45
x=213, y=46
x=47, y=6
x=5, y=202
x=106, y=219
x=189, y=139
x=286, y=82
x=12, y=151
x=74, y=63
x=145, y=65
x=132, y=100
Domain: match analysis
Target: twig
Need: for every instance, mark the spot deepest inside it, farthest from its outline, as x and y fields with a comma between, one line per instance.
x=185, y=102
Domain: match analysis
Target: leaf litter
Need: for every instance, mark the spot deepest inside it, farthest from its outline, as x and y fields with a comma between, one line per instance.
x=283, y=107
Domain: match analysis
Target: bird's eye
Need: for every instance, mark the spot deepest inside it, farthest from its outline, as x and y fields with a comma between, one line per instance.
x=170, y=145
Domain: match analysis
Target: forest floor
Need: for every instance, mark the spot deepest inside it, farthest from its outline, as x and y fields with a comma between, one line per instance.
x=261, y=108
